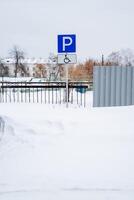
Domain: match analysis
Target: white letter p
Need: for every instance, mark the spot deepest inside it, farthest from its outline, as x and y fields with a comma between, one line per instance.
x=67, y=41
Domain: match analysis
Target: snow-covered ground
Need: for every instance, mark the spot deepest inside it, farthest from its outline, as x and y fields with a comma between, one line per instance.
x=54, y=153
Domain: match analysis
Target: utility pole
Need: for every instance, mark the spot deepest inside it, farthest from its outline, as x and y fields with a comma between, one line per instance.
x=102, y=60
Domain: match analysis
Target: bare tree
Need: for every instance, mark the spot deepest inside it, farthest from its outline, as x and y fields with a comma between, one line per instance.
x=82, y=71
x=4, y=70
x=18, y=56
x=55, y=70
x=1, y=68
x=124, y=57
x=40, y=71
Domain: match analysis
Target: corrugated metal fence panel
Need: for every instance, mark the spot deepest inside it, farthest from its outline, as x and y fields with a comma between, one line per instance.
x=107, y=87
x=118, y=86
x=102, y=85
x=124, y=86
x=113, y=86
x=96, y=87
x=129, y=86
x=133, y=85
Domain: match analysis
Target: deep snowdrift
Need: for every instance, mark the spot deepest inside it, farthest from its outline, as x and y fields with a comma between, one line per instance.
x=65, y=154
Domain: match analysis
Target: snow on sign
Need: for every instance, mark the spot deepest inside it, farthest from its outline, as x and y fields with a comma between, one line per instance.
x=67, y=43
x=67, y=58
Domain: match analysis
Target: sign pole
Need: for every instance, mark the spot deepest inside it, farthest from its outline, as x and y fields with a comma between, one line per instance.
x=67, y=91
x=67, y=44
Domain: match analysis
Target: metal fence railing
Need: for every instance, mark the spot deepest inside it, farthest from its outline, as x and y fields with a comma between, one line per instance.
x=45, y=92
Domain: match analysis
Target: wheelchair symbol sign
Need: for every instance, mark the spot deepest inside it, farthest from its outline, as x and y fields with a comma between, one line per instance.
x=67, y=58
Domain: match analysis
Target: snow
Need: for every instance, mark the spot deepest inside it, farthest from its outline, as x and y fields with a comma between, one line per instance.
x=26, y=60
x=53, y=152
x=21, y=79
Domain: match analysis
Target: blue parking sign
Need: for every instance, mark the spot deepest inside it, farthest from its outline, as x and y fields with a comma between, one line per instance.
x=67, y=43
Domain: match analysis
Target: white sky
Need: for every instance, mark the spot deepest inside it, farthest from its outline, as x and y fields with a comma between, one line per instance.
x=101, y=26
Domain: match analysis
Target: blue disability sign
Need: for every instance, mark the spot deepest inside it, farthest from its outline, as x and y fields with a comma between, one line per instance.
x=67, y=43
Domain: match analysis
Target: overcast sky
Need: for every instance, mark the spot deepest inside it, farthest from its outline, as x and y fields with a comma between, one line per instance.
x=101, y=26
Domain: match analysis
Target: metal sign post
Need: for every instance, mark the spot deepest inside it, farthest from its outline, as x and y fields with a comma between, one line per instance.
x=67, y=61
x=67, y=44
x=67, y=89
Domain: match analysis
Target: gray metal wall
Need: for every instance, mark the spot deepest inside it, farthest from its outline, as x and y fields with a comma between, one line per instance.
x=113, y=86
